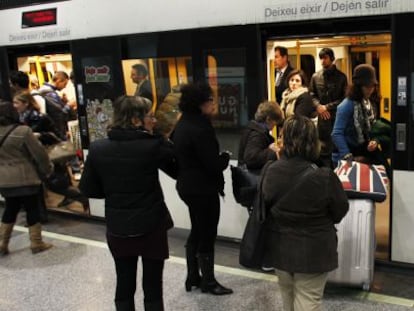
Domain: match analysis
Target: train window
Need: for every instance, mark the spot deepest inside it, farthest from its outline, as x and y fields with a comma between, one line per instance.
x=154, y=78
x=225, y=71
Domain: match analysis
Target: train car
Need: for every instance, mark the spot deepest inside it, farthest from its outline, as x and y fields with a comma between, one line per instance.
x=229, y=44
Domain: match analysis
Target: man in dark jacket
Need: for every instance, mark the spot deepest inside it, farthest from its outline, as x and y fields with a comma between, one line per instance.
x=139, y=75
x=327, y=88
x=282, y=70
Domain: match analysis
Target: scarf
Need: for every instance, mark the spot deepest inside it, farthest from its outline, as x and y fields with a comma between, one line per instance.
x=289, y=100
x=363, y=119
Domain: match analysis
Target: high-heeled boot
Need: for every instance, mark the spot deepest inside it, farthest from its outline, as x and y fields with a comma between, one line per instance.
x=36, y=243
x=125, y=305
x=193, y=274
x=209, y=283
x=5, y=234
x=154, y=306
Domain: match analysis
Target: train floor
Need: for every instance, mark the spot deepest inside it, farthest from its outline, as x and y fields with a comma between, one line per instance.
x=78, y=274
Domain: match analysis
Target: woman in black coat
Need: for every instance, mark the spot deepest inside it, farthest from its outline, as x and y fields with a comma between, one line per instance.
x=123, y=169
x=199, y=182
x=256, y=144
x=304, y=203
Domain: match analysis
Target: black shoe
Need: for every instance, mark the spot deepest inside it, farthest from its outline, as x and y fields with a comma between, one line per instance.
x=65, y=202
x=215, y=288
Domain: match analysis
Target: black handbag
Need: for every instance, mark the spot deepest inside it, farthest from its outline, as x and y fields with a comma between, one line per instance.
x=244, y=185
x=252, y=244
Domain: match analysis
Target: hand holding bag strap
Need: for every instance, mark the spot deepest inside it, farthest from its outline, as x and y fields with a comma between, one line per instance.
x=8, y=133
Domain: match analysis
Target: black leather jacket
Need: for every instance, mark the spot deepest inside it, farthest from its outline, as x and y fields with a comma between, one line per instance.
x=328, y=87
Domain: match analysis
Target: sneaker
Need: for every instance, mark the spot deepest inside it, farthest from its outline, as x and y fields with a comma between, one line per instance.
x=267, y=269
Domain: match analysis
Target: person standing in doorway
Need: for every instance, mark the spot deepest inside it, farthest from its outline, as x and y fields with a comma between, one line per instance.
x=327, y=88
x=282, y=68
x=139, y=75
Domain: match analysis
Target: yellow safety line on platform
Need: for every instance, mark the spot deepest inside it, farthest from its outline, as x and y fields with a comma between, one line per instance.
x=361, y=295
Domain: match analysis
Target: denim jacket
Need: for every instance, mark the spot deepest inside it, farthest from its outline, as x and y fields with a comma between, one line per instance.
x=343, y=134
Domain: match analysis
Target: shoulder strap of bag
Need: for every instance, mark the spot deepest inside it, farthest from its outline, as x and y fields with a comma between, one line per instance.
x=7, y=134
x=298, y=182
x=261, y=214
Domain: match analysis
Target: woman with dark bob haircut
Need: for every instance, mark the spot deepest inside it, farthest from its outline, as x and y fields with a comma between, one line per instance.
x=200, y=181
x=123, y=169
x=302, y=211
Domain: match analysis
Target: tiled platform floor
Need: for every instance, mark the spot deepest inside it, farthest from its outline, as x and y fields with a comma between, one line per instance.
x=78, y=274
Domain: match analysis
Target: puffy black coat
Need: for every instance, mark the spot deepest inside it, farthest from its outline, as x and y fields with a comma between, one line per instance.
x=200, y=167
x=254, y=149
x=301, y=236
x=123, y=169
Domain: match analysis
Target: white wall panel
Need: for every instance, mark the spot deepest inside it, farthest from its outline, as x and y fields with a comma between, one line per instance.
x=94, y=18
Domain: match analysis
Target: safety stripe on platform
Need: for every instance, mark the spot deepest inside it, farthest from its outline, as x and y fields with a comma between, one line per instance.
x=361, y=295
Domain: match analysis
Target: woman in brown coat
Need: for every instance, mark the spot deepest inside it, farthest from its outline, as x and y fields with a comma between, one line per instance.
x=22, y=160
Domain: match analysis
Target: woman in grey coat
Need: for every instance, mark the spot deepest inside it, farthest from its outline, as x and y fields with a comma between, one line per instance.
x=304, y=204
x=22, y=160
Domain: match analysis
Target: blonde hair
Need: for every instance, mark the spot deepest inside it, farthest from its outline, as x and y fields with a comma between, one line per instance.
x=26, y=97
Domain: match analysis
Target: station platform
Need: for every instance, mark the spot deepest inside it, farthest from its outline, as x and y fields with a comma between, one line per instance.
x=78, y=274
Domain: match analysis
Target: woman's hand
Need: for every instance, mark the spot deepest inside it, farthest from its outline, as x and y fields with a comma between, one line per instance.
x=372, y=146
x=276, y=149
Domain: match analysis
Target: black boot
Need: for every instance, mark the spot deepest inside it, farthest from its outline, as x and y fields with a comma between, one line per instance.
x=193, y=275
x=125, y=305
x=154, y=306
x=209, y=283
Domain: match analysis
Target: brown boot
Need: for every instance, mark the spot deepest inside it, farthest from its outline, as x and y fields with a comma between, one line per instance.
x=5, y=233
x=37, y=245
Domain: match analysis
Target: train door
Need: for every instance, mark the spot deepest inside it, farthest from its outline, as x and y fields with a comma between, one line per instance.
x=402, y=226
x=40, y=63
x=349, y=51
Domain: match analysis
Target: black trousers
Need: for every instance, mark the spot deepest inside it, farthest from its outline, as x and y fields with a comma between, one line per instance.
x=126, y=278
x=28, y=202
x=204, y=215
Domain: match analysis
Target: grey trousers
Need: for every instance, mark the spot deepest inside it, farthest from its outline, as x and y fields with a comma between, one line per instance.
x=301, y=291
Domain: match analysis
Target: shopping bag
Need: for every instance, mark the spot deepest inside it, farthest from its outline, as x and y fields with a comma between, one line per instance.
x=244, y=185
x=363, y=181
x=61, y=152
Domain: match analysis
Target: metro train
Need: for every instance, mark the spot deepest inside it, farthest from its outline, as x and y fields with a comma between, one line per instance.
x=229, y=44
